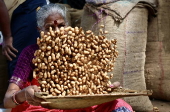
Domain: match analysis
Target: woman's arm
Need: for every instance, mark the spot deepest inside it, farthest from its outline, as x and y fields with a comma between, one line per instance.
x=14, y=95
x=8, y=102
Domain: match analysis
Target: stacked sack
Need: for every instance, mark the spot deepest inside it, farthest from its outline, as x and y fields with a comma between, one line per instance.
x=158, y=53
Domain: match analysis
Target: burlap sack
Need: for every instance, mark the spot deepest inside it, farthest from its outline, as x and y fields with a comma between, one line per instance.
x=96, y=2
x=3, y=76
x=131, y=35
x=75, y=15
x=157, y=67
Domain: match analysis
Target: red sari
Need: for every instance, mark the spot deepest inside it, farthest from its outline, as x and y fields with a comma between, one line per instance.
x=114, y=106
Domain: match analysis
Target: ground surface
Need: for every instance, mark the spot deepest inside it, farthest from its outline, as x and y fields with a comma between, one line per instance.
x=161, y=105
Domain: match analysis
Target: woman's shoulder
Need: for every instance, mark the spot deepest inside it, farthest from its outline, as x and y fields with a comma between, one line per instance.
x=29, y=50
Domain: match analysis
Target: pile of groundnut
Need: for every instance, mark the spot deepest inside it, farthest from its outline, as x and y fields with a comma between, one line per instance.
x=71, y=61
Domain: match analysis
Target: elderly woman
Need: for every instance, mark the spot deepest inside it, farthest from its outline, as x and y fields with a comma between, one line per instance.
x=20, y=93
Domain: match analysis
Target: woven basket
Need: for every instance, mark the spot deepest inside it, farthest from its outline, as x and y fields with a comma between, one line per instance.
x=83, y=101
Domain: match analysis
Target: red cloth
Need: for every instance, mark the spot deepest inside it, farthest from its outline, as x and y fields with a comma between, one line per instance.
x=105, y=107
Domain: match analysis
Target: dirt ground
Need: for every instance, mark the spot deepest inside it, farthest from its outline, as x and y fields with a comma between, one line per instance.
x=162, y=106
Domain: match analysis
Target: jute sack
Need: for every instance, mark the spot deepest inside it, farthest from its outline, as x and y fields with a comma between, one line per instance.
x=3, y=76
x=96, y=2
x=157, y=67
x=128, y=24
x=75, y=15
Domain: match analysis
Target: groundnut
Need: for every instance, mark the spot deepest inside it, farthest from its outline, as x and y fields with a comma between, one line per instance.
x=54, y=94
x=51, y=90
x=111, y=76
x=71, y=61
x=53, y=56
x=73, y=78
x=57, y=91
x=53, y=71
x=43, y=82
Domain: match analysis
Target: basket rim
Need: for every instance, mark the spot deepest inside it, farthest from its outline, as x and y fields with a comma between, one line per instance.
x=123, y=93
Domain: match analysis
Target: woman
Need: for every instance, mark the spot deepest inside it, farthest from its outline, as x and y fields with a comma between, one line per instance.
x=20, y=93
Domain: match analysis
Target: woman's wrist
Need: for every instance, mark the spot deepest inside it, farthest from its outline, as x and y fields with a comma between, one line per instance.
x=20, y=97
x=14, y=99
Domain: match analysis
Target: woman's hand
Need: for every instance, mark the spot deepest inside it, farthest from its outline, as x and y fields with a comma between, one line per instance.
x=30, y=97
x=15, y=95
x=115, y=85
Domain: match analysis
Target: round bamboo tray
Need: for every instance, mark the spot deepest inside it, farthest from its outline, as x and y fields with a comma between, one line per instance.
x=83, y=101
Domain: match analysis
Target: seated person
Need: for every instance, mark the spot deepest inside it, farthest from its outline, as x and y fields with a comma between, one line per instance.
x=20, y=94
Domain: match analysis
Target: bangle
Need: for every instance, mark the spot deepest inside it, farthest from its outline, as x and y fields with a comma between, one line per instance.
x=13, y=98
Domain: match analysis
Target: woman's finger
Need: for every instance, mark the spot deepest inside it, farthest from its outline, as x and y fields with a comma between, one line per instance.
x=115, y=85
x=31, y=94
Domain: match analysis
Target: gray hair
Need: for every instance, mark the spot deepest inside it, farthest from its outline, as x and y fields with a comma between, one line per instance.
x=49, y=9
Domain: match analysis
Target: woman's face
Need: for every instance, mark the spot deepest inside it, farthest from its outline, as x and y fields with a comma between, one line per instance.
x=54, y=21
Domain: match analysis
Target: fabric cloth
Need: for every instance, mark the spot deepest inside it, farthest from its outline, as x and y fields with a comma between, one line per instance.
x=22, y=76
x=24, y=27
x=114, y=106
